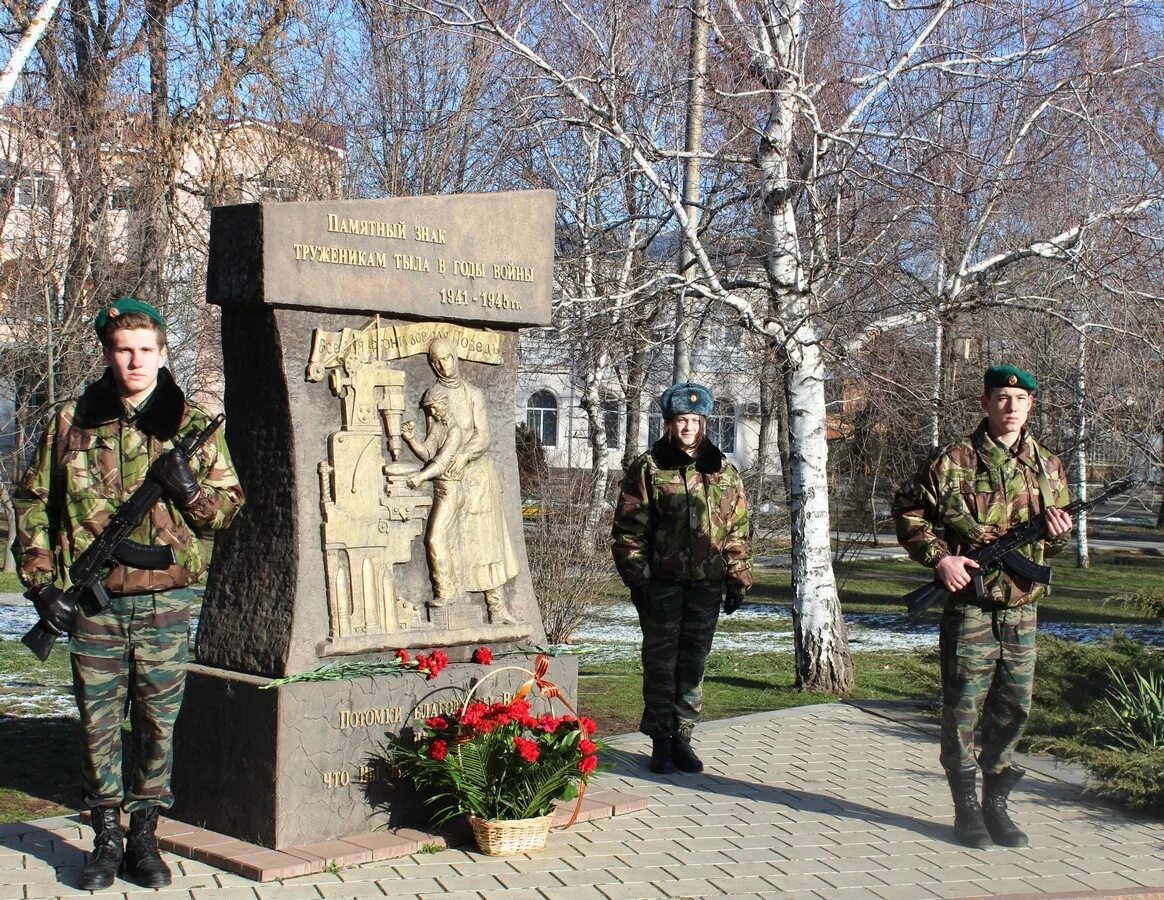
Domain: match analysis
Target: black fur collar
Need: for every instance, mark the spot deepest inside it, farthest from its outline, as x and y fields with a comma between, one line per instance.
x=708, y=459
x=159, y=416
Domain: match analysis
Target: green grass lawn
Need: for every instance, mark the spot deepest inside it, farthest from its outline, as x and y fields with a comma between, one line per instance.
x=10, y=584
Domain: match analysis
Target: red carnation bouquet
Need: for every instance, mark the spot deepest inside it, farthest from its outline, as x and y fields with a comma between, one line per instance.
x=499, y=761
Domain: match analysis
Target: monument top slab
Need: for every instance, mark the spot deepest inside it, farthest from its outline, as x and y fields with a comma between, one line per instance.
x=485, y=258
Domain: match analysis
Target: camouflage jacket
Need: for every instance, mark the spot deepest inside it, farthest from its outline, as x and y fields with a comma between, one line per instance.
x=681, y=519
x=91, y=459
x=972, y=493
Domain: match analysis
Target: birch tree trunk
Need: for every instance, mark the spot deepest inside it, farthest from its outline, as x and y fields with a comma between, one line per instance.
x=823, y=661
x=1082, y=556
x=7, y=563
x=36, y=27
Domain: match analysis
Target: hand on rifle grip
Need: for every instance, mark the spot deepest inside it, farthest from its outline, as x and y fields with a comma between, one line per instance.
x=175, y=475
x=54, y=608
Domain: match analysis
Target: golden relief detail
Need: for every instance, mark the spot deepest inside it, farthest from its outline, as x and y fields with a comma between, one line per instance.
x=373, y=506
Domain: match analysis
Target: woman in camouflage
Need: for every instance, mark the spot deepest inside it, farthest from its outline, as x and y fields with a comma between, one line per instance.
x=680, y=538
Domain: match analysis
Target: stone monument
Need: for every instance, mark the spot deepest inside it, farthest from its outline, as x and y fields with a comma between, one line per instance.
x=370, y=352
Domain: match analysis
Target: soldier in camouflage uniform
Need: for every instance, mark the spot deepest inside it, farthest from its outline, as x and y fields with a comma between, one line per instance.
x=680, y=537
x=969, y=495
x=95, y=452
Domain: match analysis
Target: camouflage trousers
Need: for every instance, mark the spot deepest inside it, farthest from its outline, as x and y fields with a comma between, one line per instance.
x=678, y=626
x=130, y=656
x=988, y=670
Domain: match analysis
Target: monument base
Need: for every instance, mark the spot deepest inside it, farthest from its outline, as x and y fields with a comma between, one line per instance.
x=299, y=763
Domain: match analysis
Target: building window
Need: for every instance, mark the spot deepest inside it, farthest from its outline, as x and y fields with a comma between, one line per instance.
x=612, y=422
x=123, y=197
x=27, y=189
x=721, y=425
x=279, y=191
x=541, y=417
x=654, y=423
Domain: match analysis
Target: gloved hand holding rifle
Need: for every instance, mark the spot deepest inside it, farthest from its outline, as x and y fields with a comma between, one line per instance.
x=955, y=573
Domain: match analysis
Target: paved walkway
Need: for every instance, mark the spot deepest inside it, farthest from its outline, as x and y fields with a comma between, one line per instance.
x=828, y=801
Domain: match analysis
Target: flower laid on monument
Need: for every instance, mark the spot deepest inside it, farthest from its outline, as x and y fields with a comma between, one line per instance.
x=483, y=656
x=500, y=765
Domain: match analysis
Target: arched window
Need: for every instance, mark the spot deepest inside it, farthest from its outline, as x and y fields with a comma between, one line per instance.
x=721, y=425
x=541, y=417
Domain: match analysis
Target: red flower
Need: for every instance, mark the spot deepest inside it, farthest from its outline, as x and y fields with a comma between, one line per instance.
x=549, y=724
x=519, y=709
x=402, y=655
x=527, y=749
x=440, y=658
x=587, y=747
x=483, y=656
x=422, y=662
x=588, y=726
x=437, y=723
x=587, y=764
x=439, y=750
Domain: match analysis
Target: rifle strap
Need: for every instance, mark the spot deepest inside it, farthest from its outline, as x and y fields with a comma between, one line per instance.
x=1044, y=482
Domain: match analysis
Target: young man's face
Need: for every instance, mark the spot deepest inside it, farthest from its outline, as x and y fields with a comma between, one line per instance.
x=1007, y=409
x=134, y=356
x=687, y=429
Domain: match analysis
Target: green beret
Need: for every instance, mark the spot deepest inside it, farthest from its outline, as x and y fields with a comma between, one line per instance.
x=1009, y=376
x=686, y=398
x=125, y=305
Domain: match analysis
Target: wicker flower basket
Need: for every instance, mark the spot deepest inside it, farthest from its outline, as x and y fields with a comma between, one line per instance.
x=501, y=837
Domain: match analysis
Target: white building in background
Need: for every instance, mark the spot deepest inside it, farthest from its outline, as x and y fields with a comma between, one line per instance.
x=549, y=393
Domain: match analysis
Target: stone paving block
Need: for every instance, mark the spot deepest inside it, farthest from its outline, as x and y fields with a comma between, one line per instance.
x=407, y=887
x=900, y=892
x=636, y=874
x=451, y=895
x=1108, y=881
x=349, y=891
x=269, y=865
x=221, y=853
x=954, y=890
x=469, y=883
x=688, y=888
x=53, y=889
x=794, y=884
x=574, y=878
x=288, y=892
x=239, y=893
x=385, y=844
x=527, y=880
x=143, y=894
x=629, y=892
x=859, y=864
x=851, y=879
x=852, y=893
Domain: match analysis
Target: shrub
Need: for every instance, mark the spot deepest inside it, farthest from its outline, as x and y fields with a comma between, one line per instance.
x=1145, y=602
x=1137, y=701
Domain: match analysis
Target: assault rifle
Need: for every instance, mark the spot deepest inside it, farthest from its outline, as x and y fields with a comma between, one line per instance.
x=1003, y=554
x=88, y=570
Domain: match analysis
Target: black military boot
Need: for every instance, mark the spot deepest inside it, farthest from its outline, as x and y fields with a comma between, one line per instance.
x=995, y=790
x=143, y=863
x=969, y=828
x=661, y=761
x=684, y=756
x=104, y=861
